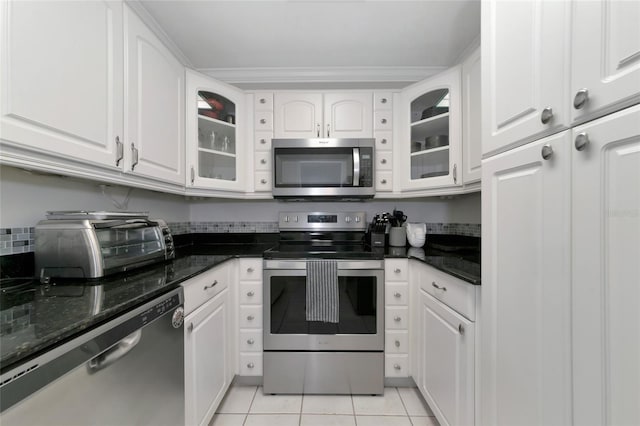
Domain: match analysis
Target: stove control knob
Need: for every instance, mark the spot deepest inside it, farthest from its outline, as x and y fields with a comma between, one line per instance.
x=347, y=219
x=295, y=219
x=357, y=219
x=286, y=218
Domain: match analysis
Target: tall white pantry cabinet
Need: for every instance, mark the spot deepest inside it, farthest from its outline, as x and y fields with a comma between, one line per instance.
x=560, y=299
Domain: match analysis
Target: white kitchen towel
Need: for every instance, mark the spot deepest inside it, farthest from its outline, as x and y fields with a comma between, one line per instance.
x=322, y=291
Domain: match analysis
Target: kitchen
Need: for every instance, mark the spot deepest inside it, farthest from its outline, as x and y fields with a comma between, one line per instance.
x=525, y=143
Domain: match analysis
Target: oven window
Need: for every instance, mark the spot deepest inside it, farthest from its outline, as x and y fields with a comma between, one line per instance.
x=357, y=298
x=310, y=167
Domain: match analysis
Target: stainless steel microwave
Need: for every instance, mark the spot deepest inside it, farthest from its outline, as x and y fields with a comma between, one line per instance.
x=329, y=168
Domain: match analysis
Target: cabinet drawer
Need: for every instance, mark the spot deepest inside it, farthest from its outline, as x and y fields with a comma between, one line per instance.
x=382, y=120
x=250, y=316
x=396, y=294
x=384, y=181
x=251, y=293
x=203, y=287
x=263, y=120
x=457, y=294
x=251, y=269
x=396, y=365
x=251, y=364
x=396, y=318
x=263, y=102
x=384, y=160
x=262, y=181
x=396, y=342
x=262, y=160
x=384, y=140
x=382, y=100
x=263, y=141
x=250, y=341
x=396, y=269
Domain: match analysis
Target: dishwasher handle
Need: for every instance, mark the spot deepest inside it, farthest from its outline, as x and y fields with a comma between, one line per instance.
x=114, y=353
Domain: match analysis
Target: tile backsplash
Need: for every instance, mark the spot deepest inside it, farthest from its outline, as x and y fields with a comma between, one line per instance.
x=21, y=240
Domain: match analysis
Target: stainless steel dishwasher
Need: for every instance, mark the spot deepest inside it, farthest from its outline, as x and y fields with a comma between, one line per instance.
x=129, y=371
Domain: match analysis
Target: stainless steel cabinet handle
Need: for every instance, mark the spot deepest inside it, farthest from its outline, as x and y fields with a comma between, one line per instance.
x=383, y=161
x=134, y=156
x=383, y=121
x=250, y=293
x=207, y=287
x=582, y=140
x=397, y=318
x=263, y=181
x=443, y=288
x=383, y=181
x=249, y=270
x=193, y=175
x=190, y=327
x=547, y=115
x=250, y=341
x=263, y=121
x=397, y=366
x=383, y=141
x=397, y=294
x=263, y=161
x=250, y=365
x=455, y=173
x=547, y=151
x=397, y=270
x=318, y=130
x=328, y=130
x=460, y=328
x=250, y=318
x=581, y=98
x=263, y=141
x=397, y=343
x=119, y=151
x=263, y=101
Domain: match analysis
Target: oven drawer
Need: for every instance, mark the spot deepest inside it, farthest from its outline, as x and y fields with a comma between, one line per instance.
x=397, y=318
x=251, y=293
x=396, y=269
x=396, y=294
x=251, y=269
x=396, y=342
x=396, y=365
x=250, y=341
x=251, y=364
x=250, y=316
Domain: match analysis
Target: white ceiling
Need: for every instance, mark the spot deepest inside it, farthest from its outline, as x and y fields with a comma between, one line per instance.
x=259, y=42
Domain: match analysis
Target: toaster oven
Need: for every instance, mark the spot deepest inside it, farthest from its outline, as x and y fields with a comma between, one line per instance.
x=84, y=244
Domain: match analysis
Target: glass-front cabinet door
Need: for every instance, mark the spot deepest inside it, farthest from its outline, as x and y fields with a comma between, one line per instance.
x=214, y=142
x=431, y=133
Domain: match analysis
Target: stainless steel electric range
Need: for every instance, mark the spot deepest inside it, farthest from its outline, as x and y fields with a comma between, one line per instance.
x=343, y=354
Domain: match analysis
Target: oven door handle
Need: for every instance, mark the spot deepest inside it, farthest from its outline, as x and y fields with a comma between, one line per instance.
x=356, y=166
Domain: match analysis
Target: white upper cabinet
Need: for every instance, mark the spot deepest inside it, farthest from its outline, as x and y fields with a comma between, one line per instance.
x=314, y=115
x=525, y=71
x=471, y=115
x=62, y=78
x=430, y=149
x=154, y=106
x=215, y=144
x=605, y=57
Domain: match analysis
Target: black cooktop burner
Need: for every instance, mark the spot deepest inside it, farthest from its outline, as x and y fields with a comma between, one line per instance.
x=301, y=245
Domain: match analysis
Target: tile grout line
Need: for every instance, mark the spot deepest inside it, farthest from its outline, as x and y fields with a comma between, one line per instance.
x=246, y=416
x=404, y=406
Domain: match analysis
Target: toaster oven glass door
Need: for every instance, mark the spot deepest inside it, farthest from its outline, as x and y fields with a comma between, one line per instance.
x=121, y=245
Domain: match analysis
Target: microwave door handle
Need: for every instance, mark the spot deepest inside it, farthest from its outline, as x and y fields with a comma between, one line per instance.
x=356, y=166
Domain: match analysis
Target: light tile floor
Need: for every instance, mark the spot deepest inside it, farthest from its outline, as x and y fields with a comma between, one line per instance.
x=249, y=406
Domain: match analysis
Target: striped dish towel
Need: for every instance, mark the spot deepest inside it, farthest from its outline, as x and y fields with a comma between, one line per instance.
x=322, y=290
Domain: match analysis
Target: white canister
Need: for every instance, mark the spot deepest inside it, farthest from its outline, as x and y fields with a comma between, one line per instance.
x=398, y=236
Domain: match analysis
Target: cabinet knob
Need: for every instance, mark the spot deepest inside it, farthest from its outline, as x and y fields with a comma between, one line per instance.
x=397, y=318
x=461, y=328
x=263, y=181
x=397, y=343
x=581, y=98
x=263, y=101
x=383, y=141
x=397, y=270
x=547, y=151
x=250, y=365
x=397, y=366
x=547, y=115
x=582, y=140
x=436, y=286
x=383, y=161
x=263, y=121
x=250, y=318
x=250, y=293
x=207, y=287
x=383, y=181
x=263, y=141
x=249, y=269
x=397, y=294
x=263, y=161
x=250, y=341
x=383, y=100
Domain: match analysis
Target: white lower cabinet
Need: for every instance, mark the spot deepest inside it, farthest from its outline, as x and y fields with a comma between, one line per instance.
x=396, y=336
x=208, y=350
x=250, y=318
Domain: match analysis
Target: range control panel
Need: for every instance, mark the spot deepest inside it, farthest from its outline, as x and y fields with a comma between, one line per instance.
x=306, y=221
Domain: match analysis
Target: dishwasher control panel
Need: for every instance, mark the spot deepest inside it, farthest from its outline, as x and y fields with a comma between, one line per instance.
x=161, y=308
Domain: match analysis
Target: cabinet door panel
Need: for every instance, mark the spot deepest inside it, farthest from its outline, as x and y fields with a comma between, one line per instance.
x=471, y=123
x=526, y=331
x=525, y=52
x=605, y=56
x=155, y=105
x=606, y=271
x=348, y=115
x=298, y=115
x=62, y=82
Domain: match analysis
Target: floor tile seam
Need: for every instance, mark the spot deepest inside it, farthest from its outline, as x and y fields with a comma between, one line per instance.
x=403, y=405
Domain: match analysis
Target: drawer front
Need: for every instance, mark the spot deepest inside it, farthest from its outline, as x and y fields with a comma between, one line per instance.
x=263, y=141
x=396, y=342
x=382, y=100
x=396, y=365
x=203, y=287
x=456, y=294
x=384, y=140
x=263, y=120
x=396, y=294
x=250, y=316
x=396, y=269
x=251, y=364
x=396, y=318
x=251, y=269
x=262, y=160
x=250, y=341
x=382, y=120
x=262, y=181
x=384, y=160
x=263, y=102
x=384, y=181
x=250, y=293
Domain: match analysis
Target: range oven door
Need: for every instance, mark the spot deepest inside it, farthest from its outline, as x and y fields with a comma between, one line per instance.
x=361, y=308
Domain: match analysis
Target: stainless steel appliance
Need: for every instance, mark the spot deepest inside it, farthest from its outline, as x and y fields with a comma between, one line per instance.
x=129, y=371
x=334, y=168
x=302, y=356
x=81, y=244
